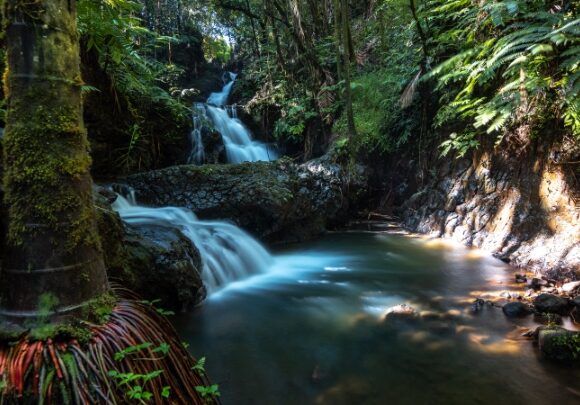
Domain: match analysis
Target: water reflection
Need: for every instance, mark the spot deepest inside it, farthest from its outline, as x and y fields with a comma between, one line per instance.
x=311, y=331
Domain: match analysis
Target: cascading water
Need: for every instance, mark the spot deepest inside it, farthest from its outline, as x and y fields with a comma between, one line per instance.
x=240, y=147
x=228, y=253
x=221, y=98
x=237, y=139
x=197, y=154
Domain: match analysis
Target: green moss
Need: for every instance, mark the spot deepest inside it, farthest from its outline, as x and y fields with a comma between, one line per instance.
x=60, y=331
x=95, y=312
x=47, y=162
x=570, y=343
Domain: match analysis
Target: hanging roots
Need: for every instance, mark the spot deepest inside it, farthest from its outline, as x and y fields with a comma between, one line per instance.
x=136, y=356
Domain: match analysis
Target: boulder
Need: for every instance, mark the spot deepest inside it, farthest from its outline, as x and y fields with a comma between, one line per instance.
x=553, y=304
x=155, y=262
x=571, y=287
x=516, y=309
x=169, y=266
x=400, y=311
x=559, y=344
x=275, y=201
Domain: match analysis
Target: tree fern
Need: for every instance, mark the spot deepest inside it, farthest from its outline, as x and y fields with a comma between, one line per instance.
x=514, y=52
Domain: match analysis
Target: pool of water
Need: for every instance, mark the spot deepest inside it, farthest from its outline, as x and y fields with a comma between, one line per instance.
x=311, y=330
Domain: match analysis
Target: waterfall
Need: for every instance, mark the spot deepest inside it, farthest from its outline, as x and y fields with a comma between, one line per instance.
x=221, y=98
x=239, y=144
x=237, y=138
x=197, y=154
x=227, y=252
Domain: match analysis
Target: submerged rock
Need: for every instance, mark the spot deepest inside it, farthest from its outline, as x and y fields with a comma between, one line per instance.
x=553, y=304
x=516, y=309
x=401, y=311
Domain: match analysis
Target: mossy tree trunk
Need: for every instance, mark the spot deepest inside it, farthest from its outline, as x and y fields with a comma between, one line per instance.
x=53, y=261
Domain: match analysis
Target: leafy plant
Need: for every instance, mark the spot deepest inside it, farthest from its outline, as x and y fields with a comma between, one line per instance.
x=461, y=143
x=211, y=391
x=294, y=119
x=160, y=311
x=163, y=348
x=504, y=63
x=135, y=384
x=199, y=367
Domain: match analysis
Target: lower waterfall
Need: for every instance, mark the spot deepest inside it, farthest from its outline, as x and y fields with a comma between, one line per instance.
x=228, y=253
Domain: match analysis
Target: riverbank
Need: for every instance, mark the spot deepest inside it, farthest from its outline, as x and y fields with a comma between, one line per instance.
x=522, y=206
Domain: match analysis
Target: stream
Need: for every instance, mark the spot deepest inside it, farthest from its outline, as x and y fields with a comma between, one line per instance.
x=310, y=330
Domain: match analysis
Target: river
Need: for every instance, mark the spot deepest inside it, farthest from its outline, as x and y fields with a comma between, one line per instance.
x=310, y=330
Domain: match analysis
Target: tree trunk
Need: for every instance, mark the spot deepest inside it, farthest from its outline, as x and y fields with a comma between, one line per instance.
x=338, y=38
x=54, y=262
x=347, y=51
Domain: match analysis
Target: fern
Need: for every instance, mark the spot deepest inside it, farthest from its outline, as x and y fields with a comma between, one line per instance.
x=515, y=52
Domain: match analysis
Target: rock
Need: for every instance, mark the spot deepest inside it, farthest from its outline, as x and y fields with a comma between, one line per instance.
x=548, y=319
x=109, y=195
x=275, y=201
x=494, y=204
x=510, y=295
x=477, y=305
x=559, y=344
x=521, y=278
x=516, y=309
x=537, y=283
x=571, y=287
x=401, y=311
x=551, y=304
x=155, y=262
x=166, y=266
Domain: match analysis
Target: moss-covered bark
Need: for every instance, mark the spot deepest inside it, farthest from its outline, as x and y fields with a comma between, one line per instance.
x=53, y=246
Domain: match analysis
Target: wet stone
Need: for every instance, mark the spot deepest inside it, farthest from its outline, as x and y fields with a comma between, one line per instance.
x=551, y=304
x=516, y=309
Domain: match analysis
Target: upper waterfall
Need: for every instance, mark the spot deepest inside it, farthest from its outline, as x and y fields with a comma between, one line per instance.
x=220, y=99
x=238, y=141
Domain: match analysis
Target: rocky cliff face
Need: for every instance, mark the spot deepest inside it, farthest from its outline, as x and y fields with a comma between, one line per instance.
x=275, y=201
x=522, y=209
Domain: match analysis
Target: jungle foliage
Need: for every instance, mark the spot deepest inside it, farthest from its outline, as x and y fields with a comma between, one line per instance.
x=504, y=64
x=456, y=71
x=380, y=74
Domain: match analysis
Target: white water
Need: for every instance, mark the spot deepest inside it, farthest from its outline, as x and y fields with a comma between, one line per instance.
x=238, y=141
x=197, y=154
x=228, y=253
x=221, y=98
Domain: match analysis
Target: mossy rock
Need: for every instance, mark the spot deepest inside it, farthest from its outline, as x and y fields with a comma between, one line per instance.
x=275, y=201
x=155, y=262
x=559, y=344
